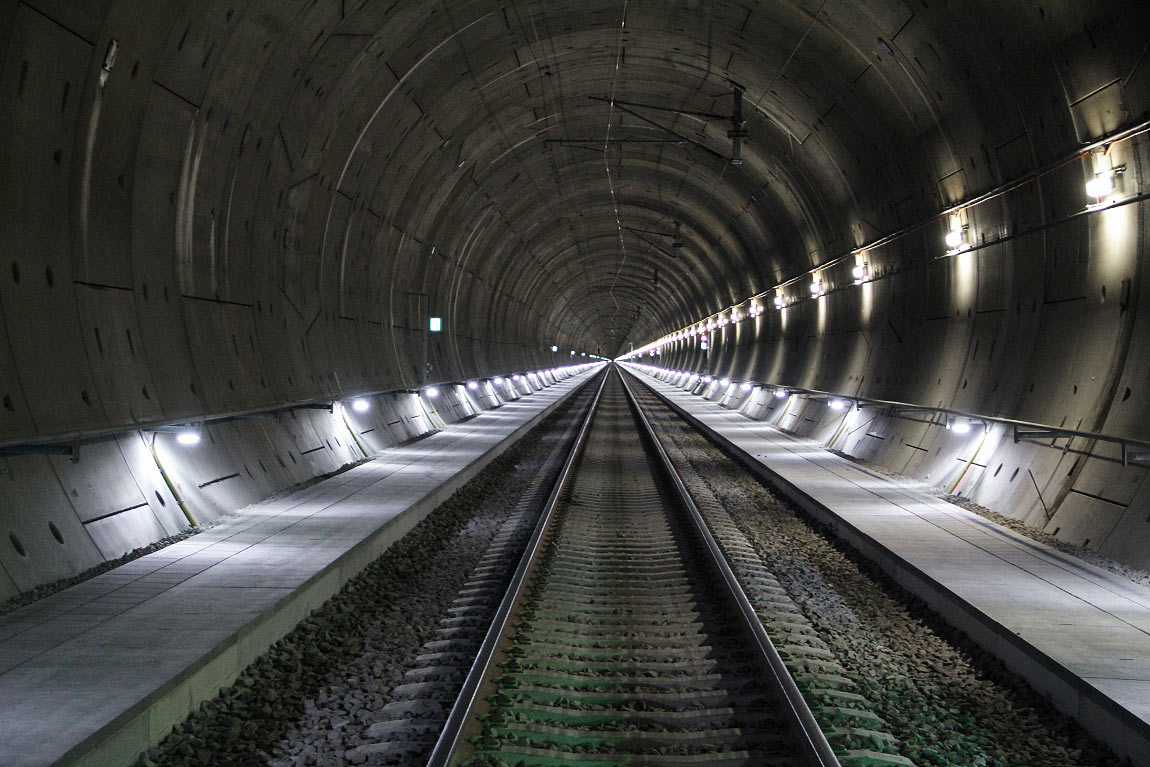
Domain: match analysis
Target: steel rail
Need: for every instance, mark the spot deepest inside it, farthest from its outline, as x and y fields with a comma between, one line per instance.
x=452, y=734
x=817, y=751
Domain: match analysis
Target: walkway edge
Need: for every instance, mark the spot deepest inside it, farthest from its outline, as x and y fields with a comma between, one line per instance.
x=120, y=742
x=1100, y=715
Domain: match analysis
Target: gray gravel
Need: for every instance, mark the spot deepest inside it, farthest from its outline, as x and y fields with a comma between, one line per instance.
x=313, y=697
x=947, y=701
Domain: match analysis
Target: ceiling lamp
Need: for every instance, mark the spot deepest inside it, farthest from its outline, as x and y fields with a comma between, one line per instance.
x=1100, y=186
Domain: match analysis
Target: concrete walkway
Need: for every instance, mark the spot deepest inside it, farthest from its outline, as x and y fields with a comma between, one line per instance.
x=98, y=673
x=1076, y=632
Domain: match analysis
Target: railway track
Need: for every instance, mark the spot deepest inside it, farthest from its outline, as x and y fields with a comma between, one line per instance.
x=625, y=637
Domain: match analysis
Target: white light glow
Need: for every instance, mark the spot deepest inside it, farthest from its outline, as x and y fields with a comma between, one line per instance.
x=960, y=427
x=472, y=385
x=432, y=392
x=954, y=239
x=1100, y=186
x=707, y=379
x=498, y=380
x=725, y=382
x=779, y=301
x=360, y=405
x=781, y=393
x=435, y=324
x=816, y=286
x=515, y=377
x=746, y=386
x=859, y=272
x=837, y=404
x=188, y=437
x=554, y=348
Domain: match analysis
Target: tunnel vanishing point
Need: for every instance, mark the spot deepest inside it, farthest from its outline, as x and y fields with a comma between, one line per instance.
x=227, y=219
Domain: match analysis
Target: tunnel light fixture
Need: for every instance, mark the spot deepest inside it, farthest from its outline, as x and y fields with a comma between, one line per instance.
x=725, y=382
x=659, y=351
x=956, y=238
x=1100, y=186
x=816, y=286
x=515, y=377
x=360, y=405
x=707, y=379
x=473, y=385
x=746, y=386
x=572, y=352
x=1103, y=185
x=962, y=425
x=554, y=348
x=188, y=436
x=780, y=301
x=435, y=324
x=838, y=404
x=781, y=393
x=735, y=315
x=499, y=380
x=859, y=272
x=431, y=392
x=755, y=309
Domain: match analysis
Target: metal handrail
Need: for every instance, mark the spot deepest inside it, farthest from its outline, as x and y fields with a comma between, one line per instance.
x=817, y=750
x=461, y=712
x=1022, y=430
x=66, y=442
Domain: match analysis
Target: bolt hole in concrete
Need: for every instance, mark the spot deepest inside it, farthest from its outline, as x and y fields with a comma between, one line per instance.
x=56, y=532
x=16, y=544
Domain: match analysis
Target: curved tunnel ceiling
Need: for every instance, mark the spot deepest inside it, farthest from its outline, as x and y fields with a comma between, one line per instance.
x=313, y=176
x=508, y=138
x=556, y=146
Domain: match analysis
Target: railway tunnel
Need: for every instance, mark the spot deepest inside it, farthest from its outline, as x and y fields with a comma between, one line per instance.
x=249, y=248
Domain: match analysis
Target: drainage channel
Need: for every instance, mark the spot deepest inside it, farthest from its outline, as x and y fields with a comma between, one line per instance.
x=622, y=640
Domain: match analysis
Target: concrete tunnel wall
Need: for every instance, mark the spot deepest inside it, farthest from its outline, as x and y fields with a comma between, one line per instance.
x=219, y=207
